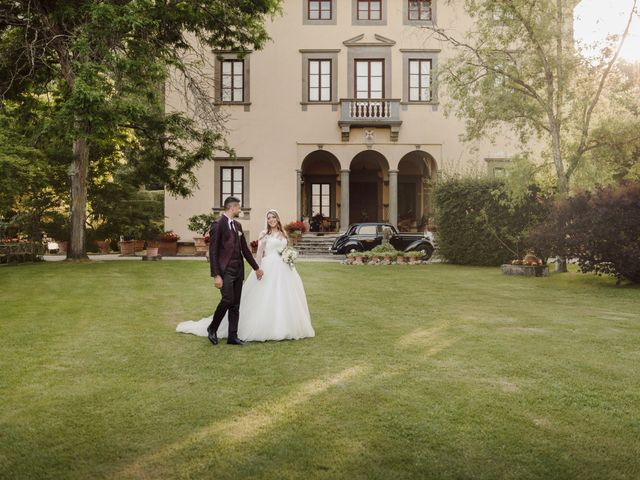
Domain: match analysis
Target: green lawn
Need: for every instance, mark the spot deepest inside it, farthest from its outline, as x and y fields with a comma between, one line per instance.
x=428, y=372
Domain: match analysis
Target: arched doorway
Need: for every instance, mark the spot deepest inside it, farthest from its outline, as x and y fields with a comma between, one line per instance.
x=367, y=196
x=415, y=172
x=319, y=175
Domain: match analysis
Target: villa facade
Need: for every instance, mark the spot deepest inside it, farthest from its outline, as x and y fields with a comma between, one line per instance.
x=340, y=114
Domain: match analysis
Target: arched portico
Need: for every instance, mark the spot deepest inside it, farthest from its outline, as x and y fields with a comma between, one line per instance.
x=413, y=198
x=319, y=187
x=368, y=172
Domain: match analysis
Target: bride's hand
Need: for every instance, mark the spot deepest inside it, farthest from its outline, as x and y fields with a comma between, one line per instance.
x=259, y=274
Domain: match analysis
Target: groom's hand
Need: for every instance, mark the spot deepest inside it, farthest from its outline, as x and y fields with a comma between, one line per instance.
x=217, y=281
x=259, y=273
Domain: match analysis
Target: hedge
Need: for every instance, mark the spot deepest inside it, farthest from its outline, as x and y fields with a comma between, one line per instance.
x=600, y=229
x=479, y=224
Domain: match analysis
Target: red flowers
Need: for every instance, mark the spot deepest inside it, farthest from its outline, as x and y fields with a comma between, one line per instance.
x=169, y=236
x=295, y=227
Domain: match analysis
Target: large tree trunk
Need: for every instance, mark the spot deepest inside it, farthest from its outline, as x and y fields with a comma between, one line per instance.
x=563, y=183
x=79, y=171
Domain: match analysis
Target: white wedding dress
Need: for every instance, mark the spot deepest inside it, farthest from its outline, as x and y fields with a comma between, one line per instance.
x=273, y=308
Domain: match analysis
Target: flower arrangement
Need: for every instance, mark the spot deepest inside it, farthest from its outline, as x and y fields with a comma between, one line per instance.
x=169, y=236
x=529, y=259
x=289, y=256
x=254, y=246
x=295, y=227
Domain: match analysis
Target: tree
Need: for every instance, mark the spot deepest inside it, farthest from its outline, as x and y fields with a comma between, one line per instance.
x=102, y=65
x=519, y=69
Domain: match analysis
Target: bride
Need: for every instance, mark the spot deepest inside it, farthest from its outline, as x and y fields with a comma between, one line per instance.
x=274, y=308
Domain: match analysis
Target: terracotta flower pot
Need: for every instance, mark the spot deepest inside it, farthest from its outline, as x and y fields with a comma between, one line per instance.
x=62, y=246
x=104, y=246
x=201, y=246
x=127, y=247
x=168, y=249
x=399, y=259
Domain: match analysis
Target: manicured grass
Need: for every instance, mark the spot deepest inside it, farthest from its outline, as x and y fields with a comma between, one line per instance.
x=428, y=372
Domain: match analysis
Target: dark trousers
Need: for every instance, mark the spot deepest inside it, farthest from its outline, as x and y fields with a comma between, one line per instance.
x=231, y=292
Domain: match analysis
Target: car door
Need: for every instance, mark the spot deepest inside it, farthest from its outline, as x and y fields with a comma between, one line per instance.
x=367, y=236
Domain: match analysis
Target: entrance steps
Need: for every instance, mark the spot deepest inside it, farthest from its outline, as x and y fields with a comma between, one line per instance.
x=316, y=245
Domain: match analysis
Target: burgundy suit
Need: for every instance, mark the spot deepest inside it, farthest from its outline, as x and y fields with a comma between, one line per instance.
x=222, y=243
x=226, y=249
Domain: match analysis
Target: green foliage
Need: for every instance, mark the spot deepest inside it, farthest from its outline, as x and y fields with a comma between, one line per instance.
x=383, y=249
x=479, y=223
x=518, y=71
x=200, y=224
x=600, y=229
x=101, y=68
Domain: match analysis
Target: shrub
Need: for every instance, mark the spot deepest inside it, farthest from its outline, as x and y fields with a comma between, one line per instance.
x=200, y=224
x=479, y=223
x=600, y=229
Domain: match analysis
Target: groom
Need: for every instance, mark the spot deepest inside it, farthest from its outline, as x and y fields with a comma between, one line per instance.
x=227, y=246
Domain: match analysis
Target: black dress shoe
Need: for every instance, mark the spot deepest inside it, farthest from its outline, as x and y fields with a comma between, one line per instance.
x=213, y=338
x=235, y=341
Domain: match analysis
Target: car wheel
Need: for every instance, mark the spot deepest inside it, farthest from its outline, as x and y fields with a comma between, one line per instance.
x=428, y=253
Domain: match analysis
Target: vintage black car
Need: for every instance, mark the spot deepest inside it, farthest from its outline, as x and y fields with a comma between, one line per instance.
x=364, y=236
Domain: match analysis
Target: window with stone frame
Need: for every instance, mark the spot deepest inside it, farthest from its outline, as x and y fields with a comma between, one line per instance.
x=420, y=80
x=369, y=9
x=231, y=183
x=232, y=81
x=420, y=10
x=319, y=10
x=320, y=81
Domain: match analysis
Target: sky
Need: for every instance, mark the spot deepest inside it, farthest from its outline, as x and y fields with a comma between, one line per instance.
x=594, y=19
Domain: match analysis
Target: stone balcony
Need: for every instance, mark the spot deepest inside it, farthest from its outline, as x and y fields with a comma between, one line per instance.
x=369, y=113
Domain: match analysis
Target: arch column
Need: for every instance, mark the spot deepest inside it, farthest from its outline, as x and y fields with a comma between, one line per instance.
x=298, y=194
x=393, y=197
x=344, y=200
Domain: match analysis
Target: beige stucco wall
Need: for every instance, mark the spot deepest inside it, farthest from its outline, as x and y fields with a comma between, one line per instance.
x=277, y=133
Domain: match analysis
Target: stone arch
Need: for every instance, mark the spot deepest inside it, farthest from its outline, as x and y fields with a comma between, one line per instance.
x=320, y=188
x=368, y=187
x=416, y=172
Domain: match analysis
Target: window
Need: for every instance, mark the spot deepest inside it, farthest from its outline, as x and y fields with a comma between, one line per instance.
x=319, y=80
x=367, y=230
x=369, y=10
x=321, y=199
x=499, y=172
x=419, y=80
x=369, y=79
x=419, y=9
x=231, y=183
x=232, y=81
x=319, y=10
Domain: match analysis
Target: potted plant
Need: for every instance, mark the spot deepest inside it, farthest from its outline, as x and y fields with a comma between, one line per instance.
x=366, y=257
x=412, y=256
x=389, y=257
x=400, y=257
x=168, y=243
x=200, y=225
x=357, y=257
x=295, y=230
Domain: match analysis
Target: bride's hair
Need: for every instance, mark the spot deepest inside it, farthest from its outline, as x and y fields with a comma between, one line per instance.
x=278, y=227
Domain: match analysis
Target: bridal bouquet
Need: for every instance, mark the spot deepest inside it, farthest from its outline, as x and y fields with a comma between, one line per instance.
x=289, y=256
